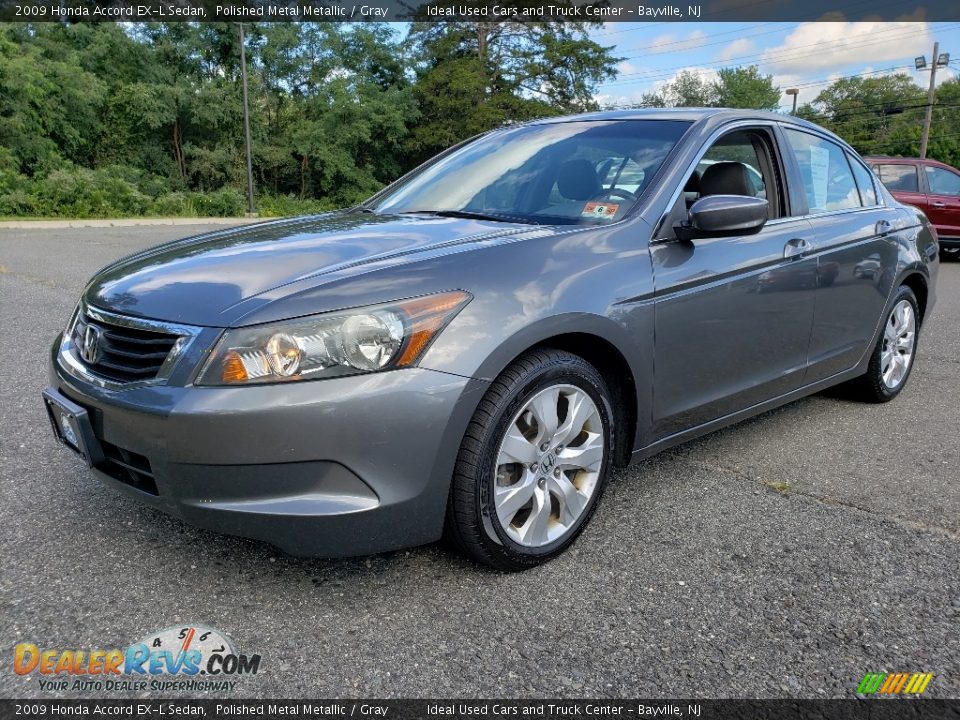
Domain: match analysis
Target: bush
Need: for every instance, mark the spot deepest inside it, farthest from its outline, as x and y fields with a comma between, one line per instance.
x=123, y=191
x=17, y=203
x=288, y=205
x=226, y=202
x=176, y=204
x=81, y=193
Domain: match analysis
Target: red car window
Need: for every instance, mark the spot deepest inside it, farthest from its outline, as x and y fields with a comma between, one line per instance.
x=899, y=177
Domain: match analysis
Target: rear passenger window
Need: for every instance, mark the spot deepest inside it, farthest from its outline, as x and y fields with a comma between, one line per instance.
x=827, y=178
x=899, y=177
x=864, y=178
x=942, y=182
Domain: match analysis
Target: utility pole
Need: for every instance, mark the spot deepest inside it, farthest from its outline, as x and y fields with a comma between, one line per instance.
x=246, y=124
x=931, y=96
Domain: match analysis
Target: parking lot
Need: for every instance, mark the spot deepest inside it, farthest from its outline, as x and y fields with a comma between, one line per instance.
x=789, y=555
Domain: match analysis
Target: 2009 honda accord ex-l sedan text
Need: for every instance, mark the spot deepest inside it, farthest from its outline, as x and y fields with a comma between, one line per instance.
x=472, y=350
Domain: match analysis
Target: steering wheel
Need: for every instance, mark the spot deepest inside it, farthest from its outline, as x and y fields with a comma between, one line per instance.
x=617, y=192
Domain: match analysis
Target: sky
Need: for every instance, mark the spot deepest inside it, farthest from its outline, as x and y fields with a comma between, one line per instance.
x=807, y=56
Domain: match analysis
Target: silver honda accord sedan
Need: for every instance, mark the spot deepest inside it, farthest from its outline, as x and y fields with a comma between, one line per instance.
x=471, y=351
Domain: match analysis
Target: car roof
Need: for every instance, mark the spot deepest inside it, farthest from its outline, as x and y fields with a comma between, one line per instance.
x=691, y=114
x=891, y=160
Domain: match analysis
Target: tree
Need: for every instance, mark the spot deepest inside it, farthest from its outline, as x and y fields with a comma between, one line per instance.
x=745, y=87
x=874, y=114
x=474, y=76
x=742, y=87
x=114, y=118
x=688, y=89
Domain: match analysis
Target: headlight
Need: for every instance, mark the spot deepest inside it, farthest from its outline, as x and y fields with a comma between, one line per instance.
x=368, y=339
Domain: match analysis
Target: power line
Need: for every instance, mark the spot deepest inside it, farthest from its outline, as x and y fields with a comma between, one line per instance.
x=773, y=59
x=683, y=45
x=628, y=105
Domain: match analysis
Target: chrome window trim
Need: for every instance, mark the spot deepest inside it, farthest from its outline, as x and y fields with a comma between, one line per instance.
x=766, y=123
x=830, y=213
x=849, y=153
x=71, y=364
x=714, y=136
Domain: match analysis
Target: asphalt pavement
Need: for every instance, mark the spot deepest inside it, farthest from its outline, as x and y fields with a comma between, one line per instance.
x=786, y=556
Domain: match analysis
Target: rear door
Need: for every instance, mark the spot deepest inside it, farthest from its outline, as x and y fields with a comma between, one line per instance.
x=856, y=250
x=943, y=200
x=732, y=314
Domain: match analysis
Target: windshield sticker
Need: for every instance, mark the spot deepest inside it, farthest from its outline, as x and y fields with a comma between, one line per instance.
x=600, y=210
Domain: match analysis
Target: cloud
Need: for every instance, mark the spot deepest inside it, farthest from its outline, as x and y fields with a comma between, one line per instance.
x=626, y=68
x=618, y=100
x=738, y=48
x=829, y=45
x=669, y=42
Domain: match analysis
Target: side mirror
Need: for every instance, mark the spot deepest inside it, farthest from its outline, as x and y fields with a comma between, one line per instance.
x=723, y=215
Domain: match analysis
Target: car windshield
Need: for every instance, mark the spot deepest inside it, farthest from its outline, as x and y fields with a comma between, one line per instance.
x=587, y=172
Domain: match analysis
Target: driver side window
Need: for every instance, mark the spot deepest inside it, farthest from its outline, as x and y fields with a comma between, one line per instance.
x=739, y=163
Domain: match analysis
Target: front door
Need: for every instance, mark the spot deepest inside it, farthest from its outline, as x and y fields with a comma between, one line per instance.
x=733, y=314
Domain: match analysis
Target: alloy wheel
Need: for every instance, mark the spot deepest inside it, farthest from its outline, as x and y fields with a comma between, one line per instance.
x=548, y=465
x=899, y=340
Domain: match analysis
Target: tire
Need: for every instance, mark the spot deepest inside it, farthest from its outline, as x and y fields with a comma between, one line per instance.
x=950, y=254
x=485, y=517
x=879, y=384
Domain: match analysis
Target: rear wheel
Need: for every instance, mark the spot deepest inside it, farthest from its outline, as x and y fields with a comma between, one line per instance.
x=893, y=356
x=533, y=462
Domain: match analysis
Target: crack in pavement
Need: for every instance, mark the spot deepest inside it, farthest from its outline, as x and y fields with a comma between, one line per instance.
x=828, y=500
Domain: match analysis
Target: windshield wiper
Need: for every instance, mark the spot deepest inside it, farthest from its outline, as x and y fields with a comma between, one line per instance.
x=470, y=214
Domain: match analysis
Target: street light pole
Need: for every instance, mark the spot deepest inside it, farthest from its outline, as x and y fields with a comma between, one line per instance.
x=246, y=124
x=794, y=92
x=931, y=96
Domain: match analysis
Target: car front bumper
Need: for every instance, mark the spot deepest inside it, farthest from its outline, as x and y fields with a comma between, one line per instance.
x=329, y=468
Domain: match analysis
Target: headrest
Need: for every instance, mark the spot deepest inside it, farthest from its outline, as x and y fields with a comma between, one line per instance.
x=726, y=178
x=578, y=180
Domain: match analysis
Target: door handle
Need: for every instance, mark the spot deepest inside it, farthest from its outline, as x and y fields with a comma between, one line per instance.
x=938, y=204
x=882, y=227
x=797, y=247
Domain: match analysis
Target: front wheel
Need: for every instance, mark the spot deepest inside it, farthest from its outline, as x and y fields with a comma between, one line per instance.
x=896, y=349
x=533, y=462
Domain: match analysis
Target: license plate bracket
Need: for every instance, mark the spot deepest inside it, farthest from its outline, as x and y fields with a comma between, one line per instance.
x=71, y=425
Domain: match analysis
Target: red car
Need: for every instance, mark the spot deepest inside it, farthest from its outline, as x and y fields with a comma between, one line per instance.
x=932, y=186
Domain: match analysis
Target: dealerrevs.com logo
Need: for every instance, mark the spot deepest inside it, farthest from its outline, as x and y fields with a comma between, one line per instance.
x=193, y=659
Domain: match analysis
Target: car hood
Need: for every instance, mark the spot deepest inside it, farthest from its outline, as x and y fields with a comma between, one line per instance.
x=199, y=280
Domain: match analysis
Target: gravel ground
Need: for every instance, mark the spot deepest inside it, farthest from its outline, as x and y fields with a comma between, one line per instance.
x=786, y=556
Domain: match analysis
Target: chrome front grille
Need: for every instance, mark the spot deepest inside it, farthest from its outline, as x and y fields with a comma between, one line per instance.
x=120, y=353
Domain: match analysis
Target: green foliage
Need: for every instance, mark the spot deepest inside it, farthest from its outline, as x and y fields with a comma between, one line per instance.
x=742, y=87
x=83, y=193
x=285, y=205
x=687, y=89
x=884, y=116
x=106, y=120
x=745, y=87
x=473, y=77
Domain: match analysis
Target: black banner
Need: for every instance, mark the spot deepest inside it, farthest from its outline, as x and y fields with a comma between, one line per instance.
x=473, y=10
x=481, y=709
